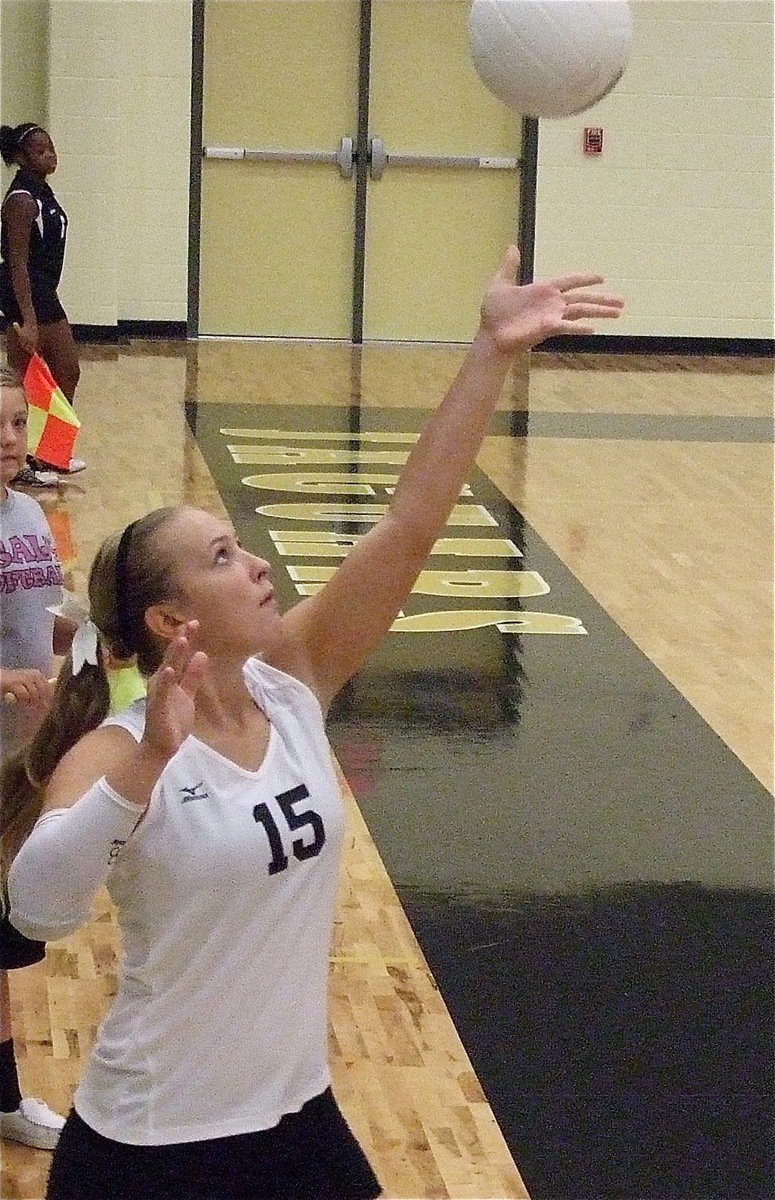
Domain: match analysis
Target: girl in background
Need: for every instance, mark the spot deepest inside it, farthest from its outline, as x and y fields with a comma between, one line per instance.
x=30, y=582
x=33, y=232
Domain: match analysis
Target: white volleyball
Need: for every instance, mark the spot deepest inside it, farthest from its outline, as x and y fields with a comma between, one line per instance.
x=550, y=58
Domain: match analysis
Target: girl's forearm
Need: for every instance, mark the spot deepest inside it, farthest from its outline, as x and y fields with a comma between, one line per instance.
x=437, y=467
x=136, y=776
x=20, y=282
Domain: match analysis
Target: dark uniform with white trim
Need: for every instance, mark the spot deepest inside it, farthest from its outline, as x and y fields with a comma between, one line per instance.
x=46, y=252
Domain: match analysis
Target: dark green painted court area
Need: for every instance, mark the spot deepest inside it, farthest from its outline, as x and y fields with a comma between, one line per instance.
x=586, y=865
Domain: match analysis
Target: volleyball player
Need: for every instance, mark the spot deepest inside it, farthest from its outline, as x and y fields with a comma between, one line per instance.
x=212, y=811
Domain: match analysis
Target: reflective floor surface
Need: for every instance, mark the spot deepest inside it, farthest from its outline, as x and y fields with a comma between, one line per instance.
x=585, y=861
x=563, y=754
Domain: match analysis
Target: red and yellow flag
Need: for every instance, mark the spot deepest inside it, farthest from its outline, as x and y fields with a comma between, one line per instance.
x=52, y=425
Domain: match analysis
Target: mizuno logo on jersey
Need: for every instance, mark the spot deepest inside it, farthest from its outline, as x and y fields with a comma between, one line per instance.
x=194, y=793
x=115, y=850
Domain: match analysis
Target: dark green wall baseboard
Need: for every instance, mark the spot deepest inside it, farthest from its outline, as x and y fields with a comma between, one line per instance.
x=622, y=344
x=124, y=330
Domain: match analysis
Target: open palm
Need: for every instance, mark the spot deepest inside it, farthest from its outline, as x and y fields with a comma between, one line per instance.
x=518, y=317
x=171, y=703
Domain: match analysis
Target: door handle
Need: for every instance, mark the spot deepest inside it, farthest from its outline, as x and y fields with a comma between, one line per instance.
x=345, y=158
x=342, y=157
x=380, y=159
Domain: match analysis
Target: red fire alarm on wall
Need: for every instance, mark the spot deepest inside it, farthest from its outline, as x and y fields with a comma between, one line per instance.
x=593, y=139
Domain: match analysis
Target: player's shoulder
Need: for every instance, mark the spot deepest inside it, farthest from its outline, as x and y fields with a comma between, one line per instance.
x=20, y=199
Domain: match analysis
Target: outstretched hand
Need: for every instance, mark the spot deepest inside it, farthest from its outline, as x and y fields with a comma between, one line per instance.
x=518, y=317
x=170, y=707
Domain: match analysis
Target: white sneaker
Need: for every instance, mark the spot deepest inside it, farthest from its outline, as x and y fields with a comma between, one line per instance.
x=33, y=1124
x=73, y=467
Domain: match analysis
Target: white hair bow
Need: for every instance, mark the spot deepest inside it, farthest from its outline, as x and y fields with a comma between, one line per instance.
x=84, y=648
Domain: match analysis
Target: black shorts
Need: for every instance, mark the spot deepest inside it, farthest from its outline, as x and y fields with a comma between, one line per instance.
x=45, y=301
x=15, y=949
x=310, y=1155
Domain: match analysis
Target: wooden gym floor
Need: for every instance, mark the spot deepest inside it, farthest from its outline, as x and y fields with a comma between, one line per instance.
x=547, y=895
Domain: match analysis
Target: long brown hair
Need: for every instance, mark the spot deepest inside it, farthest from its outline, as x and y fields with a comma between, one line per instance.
x=81, y=702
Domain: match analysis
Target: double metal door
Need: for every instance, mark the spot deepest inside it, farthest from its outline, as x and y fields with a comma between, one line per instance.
x=357, y=179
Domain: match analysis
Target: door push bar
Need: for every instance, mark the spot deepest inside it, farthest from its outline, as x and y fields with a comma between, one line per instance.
x=343, y=157
x=379, y=158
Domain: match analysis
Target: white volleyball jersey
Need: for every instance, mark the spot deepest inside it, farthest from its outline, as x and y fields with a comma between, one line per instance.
x=225, y=894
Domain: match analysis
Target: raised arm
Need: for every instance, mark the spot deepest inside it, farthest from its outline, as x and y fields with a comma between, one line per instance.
x=334, y=631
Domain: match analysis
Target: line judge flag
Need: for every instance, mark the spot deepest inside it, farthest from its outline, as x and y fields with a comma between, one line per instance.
x=51, y=423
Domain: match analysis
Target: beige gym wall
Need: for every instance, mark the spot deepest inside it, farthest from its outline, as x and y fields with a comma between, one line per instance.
x=155, y=133
x=118, y=111
x=678, y=210
x=23, y=63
